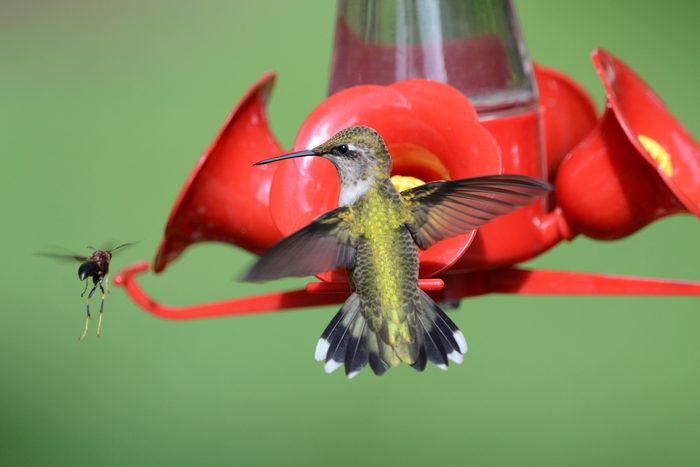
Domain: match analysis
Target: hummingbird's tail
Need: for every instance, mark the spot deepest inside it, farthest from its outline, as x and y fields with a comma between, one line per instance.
x=348, y=340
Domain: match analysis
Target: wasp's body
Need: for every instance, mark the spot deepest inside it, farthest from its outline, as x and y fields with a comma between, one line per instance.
x=95, y=267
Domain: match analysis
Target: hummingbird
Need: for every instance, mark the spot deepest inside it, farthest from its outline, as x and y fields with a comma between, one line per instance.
x=374, y=235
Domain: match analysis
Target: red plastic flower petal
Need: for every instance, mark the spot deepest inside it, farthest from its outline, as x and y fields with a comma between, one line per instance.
x=431, y=130
x=646, y=121
x=223, y=199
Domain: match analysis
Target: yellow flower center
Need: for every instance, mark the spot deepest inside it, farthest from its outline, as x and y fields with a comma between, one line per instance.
x=405, y=182
x=658, y=153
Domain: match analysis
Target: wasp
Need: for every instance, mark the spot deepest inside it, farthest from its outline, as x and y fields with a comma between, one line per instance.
x=95, y=267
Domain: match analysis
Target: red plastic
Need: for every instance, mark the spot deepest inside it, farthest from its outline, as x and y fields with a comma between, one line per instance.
x=456, y=286
x=240, y=306
x=519, y=137
x=429, y=127
x=543, y=282
x=610, y=186
x=568, y=114
x=431, y=131
x=641, y=112
x=225, y=199
x=607, y=187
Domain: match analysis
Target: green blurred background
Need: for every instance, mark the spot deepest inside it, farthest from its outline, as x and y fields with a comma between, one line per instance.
x=106, y=106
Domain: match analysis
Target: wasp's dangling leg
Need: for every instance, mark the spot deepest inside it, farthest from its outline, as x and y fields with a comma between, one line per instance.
x=102, y=305
x=88, y=317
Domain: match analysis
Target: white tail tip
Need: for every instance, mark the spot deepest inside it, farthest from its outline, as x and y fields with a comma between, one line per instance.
x=461, y=341
x=321, y=349
x=455, y=357
x=332, y=365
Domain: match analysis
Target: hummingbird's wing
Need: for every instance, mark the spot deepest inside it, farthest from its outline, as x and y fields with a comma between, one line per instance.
x=323, y=245
x=444, y=209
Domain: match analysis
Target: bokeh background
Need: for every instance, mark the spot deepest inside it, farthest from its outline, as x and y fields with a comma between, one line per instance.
x=104, y=108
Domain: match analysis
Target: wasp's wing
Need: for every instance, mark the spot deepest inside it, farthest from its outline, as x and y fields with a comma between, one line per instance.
x=323, y=245
x=62, y=256
x=447, y=208
x=120, y=246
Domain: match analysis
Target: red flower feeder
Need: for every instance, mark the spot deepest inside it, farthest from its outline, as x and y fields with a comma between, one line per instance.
x=223, y=199
x=568, y=115
x=636, y=165
x=431, y=131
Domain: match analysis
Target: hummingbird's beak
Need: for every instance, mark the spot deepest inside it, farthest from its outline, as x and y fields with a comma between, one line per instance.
x=291, y=155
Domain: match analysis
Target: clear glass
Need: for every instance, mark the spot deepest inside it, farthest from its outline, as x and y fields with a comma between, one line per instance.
x=473, y=45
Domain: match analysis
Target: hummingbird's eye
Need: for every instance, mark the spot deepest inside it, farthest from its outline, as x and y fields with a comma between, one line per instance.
x=342, y=149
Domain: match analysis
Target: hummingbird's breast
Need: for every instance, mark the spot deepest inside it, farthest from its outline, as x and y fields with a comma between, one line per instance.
x=385, y=275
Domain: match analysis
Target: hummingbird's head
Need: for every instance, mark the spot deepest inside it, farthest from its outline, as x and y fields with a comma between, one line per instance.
x=358, y=153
